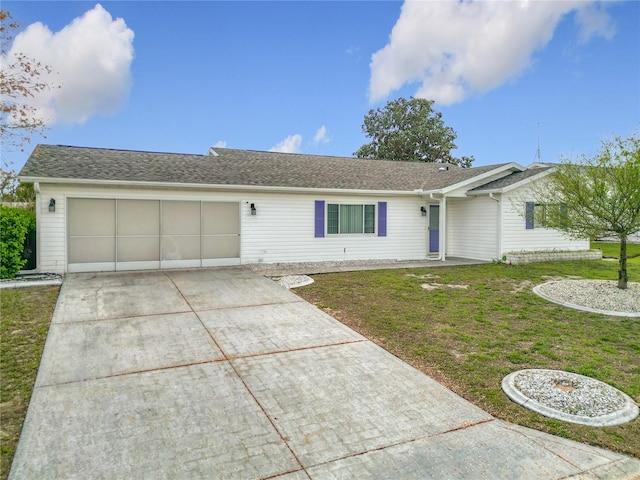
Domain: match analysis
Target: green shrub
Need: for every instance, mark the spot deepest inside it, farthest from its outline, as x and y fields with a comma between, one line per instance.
x=14, y=225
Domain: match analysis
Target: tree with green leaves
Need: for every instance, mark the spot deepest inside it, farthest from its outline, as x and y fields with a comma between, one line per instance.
x=596, y=197
x=411, y=131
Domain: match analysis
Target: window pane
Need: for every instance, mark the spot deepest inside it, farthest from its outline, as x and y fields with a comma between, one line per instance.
x=369, y=218
x=351, y=219
x=539, y=214
x=332, y=218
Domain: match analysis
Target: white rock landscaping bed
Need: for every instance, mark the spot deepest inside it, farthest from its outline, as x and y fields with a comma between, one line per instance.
x=570, y=397
x=600, y=296
x=294, y=281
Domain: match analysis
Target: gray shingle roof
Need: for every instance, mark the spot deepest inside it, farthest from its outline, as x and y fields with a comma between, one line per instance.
x=509, y=180
x=233, y=167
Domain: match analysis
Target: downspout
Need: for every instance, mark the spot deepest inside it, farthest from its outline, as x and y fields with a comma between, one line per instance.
x=443, y=228
x=36, y=189
x=499, y=225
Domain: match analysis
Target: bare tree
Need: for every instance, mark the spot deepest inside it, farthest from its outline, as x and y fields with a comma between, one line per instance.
x=598, y=196
x=21, y=78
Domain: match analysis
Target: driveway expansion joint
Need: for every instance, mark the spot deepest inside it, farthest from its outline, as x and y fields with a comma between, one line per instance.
x=298, y=349
x=464, y=426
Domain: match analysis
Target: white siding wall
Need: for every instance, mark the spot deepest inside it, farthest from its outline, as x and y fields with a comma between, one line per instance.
x=51, y=231
x=472, y=228
x=282, y=231
x=516, y=237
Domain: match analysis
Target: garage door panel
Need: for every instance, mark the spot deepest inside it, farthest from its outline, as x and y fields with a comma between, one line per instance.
x=180, y=218
x=92, y=249
x=220, y=218
x=226, y=246
x=180, y=247
x=139, y=217
x=91, y=217
x=134, y=249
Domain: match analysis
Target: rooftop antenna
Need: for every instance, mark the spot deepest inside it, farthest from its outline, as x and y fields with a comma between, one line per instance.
x=538, y=155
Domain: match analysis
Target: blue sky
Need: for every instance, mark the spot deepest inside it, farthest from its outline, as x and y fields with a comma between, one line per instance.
x=300, y=76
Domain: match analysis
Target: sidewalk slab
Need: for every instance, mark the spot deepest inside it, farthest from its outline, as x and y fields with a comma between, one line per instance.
x=101, y=296
x=258, y=330
x=129, y=345
x=234, y=287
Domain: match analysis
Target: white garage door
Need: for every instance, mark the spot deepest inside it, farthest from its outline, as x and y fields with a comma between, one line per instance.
x=108, y=234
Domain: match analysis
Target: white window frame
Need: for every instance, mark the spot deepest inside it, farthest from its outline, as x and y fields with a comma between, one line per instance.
x=364, y=216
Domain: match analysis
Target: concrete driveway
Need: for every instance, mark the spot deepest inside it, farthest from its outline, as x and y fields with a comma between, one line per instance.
x=223, y=373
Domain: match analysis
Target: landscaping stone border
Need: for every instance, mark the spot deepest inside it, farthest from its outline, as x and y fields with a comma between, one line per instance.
x=32, y=280
x=524, y=258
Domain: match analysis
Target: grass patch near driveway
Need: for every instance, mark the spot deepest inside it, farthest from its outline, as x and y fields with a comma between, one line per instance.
x=469, y=326
x=25, y=315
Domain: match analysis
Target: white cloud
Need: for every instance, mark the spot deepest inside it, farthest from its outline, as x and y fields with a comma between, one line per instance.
x=321, y=136
x=220, y=144
x=457, y=48
x=594, y=20
x=90, y=59
x=291, y=144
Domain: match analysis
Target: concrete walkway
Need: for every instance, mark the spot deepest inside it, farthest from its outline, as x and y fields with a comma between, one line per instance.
x=223, y=373
x=312, y=268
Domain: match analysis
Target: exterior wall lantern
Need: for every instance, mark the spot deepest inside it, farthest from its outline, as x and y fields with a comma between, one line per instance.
x=253, y=209
x=423, y=211
x=52, y=205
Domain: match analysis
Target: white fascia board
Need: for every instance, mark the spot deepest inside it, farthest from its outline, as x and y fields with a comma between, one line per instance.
x=431, y=193
x=503, y=168
x=199, y=186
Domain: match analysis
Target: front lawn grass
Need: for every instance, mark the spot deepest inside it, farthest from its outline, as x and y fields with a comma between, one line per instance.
x=612, y=250
x=469, y=326
x=25, y=314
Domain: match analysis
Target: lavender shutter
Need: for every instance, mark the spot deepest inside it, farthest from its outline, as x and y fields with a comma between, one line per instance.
x=529, y=215
x=382, y=219
x=319, y=219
